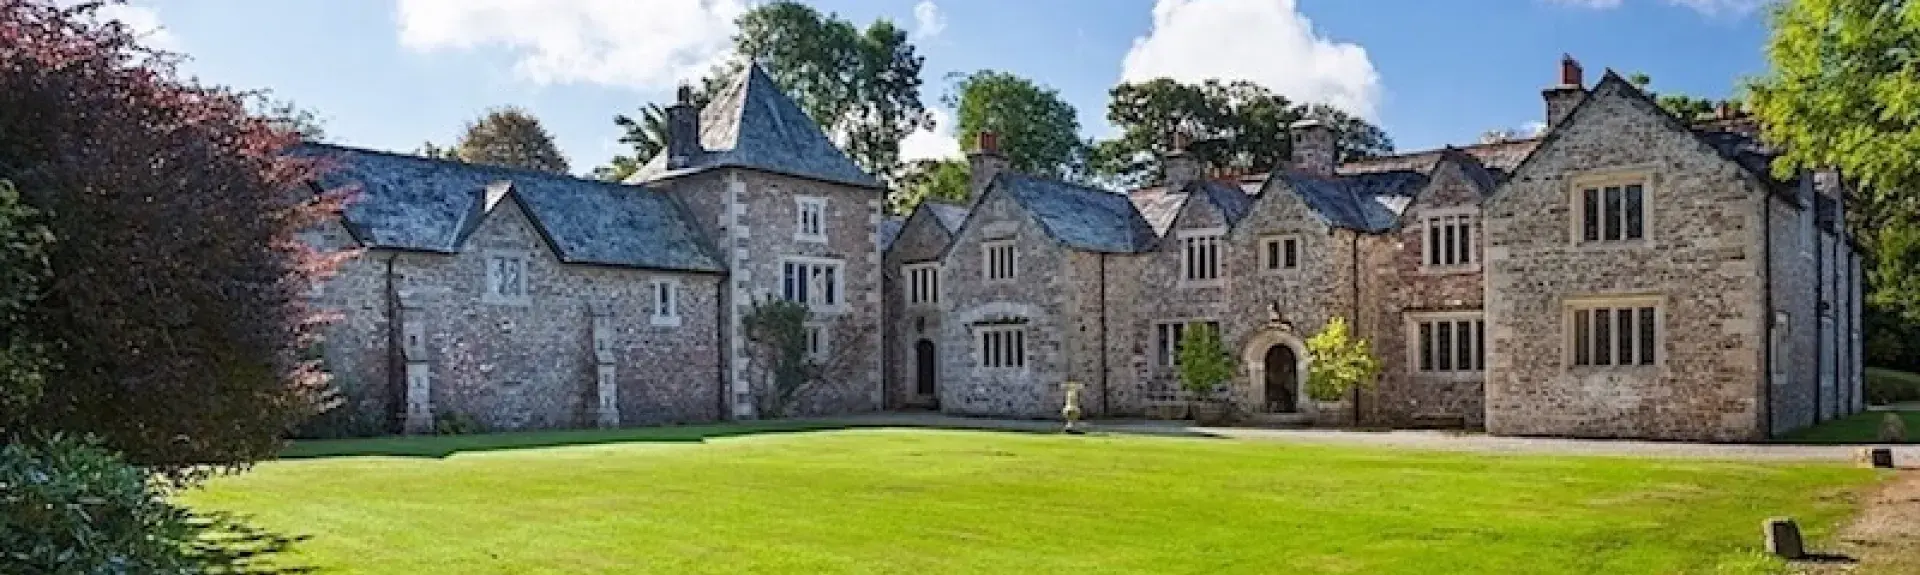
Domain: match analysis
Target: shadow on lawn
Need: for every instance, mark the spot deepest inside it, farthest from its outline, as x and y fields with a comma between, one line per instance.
x=229, y=545
x=437, y=446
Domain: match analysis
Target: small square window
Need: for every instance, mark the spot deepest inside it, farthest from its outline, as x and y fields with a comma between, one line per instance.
x=1002, y=346
x=506, y=279
x=810, y=220
x=817, y=344
x=1449, y=242
x=923, y=283
x=1280, y=253
x=1200, y=255
x=666, y=303
x=1613, y=210
x=1001, y=262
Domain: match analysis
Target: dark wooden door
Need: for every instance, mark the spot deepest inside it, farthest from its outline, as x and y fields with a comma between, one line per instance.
x=1283, y=379
x=923, y=367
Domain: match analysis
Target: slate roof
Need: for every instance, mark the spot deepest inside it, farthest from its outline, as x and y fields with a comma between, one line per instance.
x=1499, y=158
x=1369, y=202
x=1080, y=217
x=950, y=216
x=1738, y=139
x=421, y=204
x=890, y=230
x=1160, y=207
x=753, y=124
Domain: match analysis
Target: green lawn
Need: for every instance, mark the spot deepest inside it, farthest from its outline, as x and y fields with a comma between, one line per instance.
x=931, y=501
x=1863, y=427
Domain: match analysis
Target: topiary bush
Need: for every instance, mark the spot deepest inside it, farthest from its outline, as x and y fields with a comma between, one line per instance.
x=70, y=506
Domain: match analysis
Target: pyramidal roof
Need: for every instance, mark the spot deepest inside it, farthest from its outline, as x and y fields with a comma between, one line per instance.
x=753, y=124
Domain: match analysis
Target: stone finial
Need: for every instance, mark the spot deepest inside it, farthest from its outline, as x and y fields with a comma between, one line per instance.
x=1315, y=150
x=1563, y=96
x=985, y=162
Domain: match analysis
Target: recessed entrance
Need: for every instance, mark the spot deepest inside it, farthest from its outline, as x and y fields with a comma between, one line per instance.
x=923, y=365
x=1283, y=380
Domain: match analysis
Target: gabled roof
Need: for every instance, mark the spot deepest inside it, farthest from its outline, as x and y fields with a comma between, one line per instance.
x=421, y=204
x=1080, y=217
x=1161, y=207
x=890, y=229
x=1367, y=202
x=1498, y=158
x=950, y=216
x=753, y=124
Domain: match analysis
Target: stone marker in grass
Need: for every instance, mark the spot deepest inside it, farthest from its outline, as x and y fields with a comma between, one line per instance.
x=1893, y=429
x=1783, y=538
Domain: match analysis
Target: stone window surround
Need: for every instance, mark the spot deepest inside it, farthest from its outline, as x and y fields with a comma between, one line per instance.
x=839, y=281
x=1578, y=183
x=1413, y=320
x=1782, y=334
x=1472, y=216
x=1572, y=304
x=1279, y=242
x=1017, y=331
x=987, y=249
x=818, y=345
x=914, y=295
x=1186, y=239
x=802, y=205
x=666, y=311
x=490, y=292
x=1167, y=357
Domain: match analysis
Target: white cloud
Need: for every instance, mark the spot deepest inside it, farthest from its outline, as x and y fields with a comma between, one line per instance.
x=1266, y=41
x=145, y=24
x=936, y=143
x=1533, y=128
x=1707, y=7
x=927, y=20
x=643, y=45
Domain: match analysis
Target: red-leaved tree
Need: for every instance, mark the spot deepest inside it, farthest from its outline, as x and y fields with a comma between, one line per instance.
x=174, y=312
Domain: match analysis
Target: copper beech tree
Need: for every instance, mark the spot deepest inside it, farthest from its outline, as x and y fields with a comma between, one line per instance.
x=173, y=308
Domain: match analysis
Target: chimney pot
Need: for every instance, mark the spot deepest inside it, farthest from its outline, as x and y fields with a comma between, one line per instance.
x=1561, y=98
x=985, y=163
x=989, y=142
x=1570, y=72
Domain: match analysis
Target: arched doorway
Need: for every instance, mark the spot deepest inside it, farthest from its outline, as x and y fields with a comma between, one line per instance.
x=1283, y=379
x=923, y=366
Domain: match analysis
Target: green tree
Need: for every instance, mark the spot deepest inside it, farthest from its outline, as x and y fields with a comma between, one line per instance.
x=513, y=138
x=1681, y=105
x=429, y=149
x=1204, y=361
x=23, y=271
x=1232, y=126
x=1342, y=363
x=1843, y=91
x=1039, y=131
x=861, y=86
x=286, y=115
x=942, y=180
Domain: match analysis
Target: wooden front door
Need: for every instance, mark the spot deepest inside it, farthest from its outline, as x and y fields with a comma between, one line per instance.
x=924, y=369
x=1283, y=379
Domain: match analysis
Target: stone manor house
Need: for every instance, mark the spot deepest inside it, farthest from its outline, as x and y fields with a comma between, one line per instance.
x=1626, y=273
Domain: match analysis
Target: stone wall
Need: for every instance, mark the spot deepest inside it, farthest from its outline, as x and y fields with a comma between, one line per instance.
x=1397, y=289
x=1148, y=289
x=1792, y=379
x=753, y=216
x=1040, y=297
x=1307, y=297
x=1700, y=264
x=526, y=364
x=922, y=239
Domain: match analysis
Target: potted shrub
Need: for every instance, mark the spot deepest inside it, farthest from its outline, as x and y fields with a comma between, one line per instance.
x=1341, y=364
x=1204, y=366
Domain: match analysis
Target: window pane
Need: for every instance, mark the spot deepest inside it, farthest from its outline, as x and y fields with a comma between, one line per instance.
x=1443, y=346
x=1433, y=244
x=1635, y=213
x=1479, y=345
x=1590, y=216
x=1466, y=241
x=1426, y=346
x=1624, y=320
x=1612, y=210
x=1647, y=341
x=1464, y=349
x=1602, y=338
x=1446, y=250
x=1019, y=348
x=1293, y=254
x=1581, y=333
x=1273, y=255
x=830, y=283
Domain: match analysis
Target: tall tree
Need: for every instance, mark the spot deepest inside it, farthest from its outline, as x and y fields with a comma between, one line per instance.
x=510, y=137
x=287, y=116
x=1232, y=126
x=861, y=86
x=174, y=300
x=1038, y=130
x=941, y=180
x=1682, y=105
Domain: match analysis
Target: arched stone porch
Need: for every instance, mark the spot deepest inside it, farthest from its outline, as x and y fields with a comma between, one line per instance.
x=1253, y=355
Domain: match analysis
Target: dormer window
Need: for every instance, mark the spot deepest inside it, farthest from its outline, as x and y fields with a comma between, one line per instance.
x=1200, y=256
x=1449, y=241
x=1000, y=263
x=810, y=223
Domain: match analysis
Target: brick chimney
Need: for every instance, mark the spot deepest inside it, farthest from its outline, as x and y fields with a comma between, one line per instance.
x=683, y=131
x=985, y=162
x=1314, y=149
x=1179, y=165
x=1562, y=97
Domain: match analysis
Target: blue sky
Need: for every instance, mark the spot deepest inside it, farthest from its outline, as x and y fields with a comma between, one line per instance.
x=392, y=74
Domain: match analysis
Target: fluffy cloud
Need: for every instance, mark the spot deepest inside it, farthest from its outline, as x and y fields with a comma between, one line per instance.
x=1266, y=41
x=1708, y=7
x=936, y=143
x=613, y=42
x=927, y=20
x=145, y=23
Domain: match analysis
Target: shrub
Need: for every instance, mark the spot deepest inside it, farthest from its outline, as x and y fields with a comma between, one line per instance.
x=23, y=268
x=71, y=506
x=1885, y=386
x=1340, y=363
x=1204, y=362
x=456, y=423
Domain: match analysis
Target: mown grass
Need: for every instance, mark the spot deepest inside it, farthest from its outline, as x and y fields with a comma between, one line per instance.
x=932, y=501
x=1863, y=427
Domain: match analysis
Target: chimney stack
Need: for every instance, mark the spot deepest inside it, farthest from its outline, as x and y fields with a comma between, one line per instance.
x=1562, y=97
x=1724, y=110
x=1314, y=149
x=985, y=162
x=683, y=131
x=1179, y=165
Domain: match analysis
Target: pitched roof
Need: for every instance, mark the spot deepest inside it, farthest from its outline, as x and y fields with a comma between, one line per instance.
x=413, y=203
x=1161, y=207
x=890, y=229
x=950, y=216
x=1498, y=157
x=1369, y=202
x=1082, y=218
x=753, y=124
